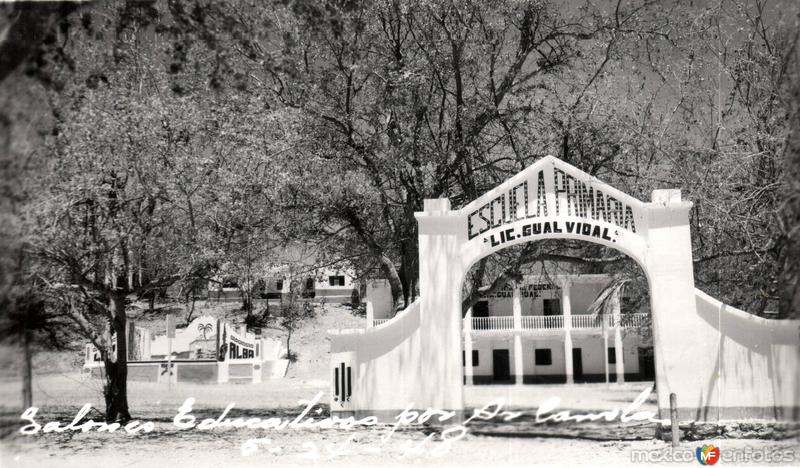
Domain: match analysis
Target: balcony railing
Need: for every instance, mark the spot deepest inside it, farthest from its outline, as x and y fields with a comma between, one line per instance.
x=505, y=322
x=376, y=322
x=590, y=321
x=554, y=322
x=633, y=320
x=542, y=322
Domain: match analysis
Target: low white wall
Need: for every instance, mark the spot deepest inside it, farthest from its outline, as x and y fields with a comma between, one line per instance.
x=386, y=361
x=757, y=363
x=755, y=375
x=275, y=369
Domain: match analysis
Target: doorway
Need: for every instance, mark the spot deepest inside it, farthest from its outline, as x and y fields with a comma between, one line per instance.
x=501, y=369
x=577, y=364
x=647, y=363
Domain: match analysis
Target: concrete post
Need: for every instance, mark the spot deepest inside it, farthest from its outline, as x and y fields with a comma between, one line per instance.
x=146, y=342
x=516, y=307
x=619, y=365
x=566, y=310
x=518, y=369
x=222, y=371
x=370, y=313
x=605, y=351
x=468, y=369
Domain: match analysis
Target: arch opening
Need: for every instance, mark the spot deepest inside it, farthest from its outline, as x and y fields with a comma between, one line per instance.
x=557, y=317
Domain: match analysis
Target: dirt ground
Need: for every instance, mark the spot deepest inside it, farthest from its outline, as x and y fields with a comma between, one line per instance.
x=487, y=443
x=60, y=390
x=167, y=447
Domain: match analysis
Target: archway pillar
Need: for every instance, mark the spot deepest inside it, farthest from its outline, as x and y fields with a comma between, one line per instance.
x=682, y=351
x=441, y=271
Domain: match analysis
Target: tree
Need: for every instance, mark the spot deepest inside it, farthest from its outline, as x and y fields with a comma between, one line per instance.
x=29, y=321
x=732, y=112
x=415, y=100
x=126, y=208
x=789, y=281
x=294, y=313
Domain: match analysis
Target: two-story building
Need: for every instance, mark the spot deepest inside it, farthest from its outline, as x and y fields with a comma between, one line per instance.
x=543, y=330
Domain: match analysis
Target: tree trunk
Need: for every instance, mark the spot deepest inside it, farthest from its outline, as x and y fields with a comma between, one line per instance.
x=394, y=281
x=288, y=350
x=27, y=372
x=116, y=388
x=247, y=303
x=191, y=311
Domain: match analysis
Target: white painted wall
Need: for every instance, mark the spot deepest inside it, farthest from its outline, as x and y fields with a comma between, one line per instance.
x=385, y=363
x=591, y=352
x=592, y=349
x=556, y=350
x=758, y=360
x=582, y=294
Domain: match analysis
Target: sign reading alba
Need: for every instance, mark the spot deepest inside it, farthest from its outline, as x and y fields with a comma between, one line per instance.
x=568, y=198
x=234, y=346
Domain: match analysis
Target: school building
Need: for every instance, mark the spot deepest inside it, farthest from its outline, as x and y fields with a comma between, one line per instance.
x=543, y=330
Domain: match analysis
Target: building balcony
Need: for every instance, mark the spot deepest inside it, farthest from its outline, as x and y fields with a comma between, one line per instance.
x=547, y=322
x=554, y=322
x=505, y=322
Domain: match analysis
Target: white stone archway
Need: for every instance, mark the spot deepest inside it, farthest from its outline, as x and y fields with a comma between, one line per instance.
x=415, y=358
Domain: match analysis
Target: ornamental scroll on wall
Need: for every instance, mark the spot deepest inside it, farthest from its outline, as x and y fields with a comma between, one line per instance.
x=342, y=383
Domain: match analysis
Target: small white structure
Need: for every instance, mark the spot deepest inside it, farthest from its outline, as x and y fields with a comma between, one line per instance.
x=721, y=363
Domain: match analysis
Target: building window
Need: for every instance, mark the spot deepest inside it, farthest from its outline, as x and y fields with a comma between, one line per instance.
x=279, y=285
x=336, y=280
x=310, y=283
x=543, y=357
x=475, y=356
x=612, y=356
x=480, y=309
x=551, y=306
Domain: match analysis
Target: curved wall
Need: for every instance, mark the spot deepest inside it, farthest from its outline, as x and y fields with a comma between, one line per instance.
x=756, y=369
